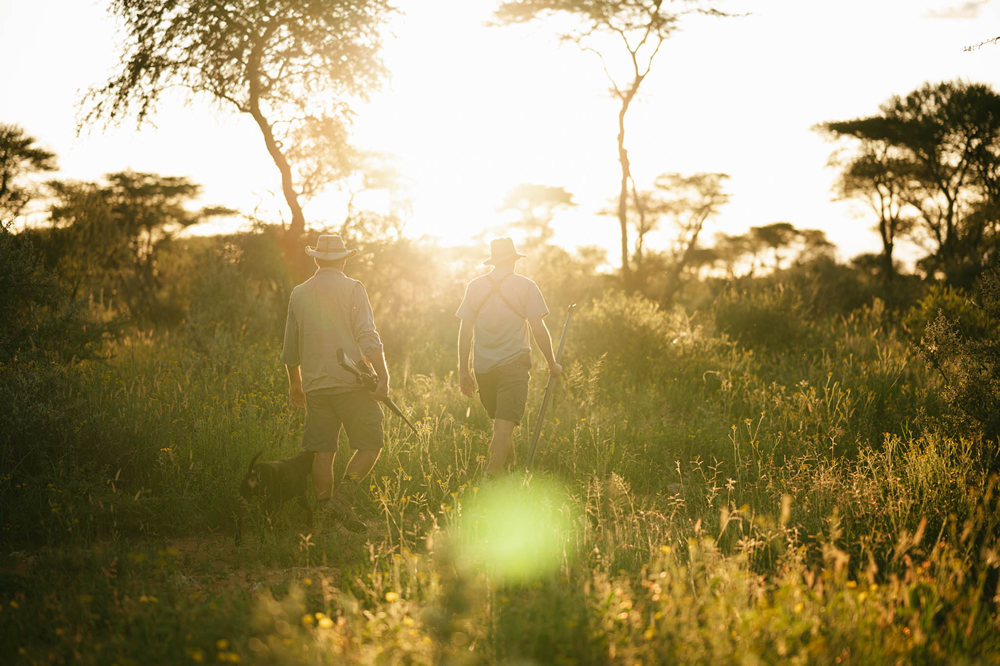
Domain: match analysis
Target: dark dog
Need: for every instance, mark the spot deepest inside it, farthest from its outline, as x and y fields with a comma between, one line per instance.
x=275, y=482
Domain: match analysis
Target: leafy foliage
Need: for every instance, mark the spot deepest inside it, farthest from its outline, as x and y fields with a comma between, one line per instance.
x=293, y=66
x=932, y=157
x=38, y=315
x=19, y=157
x=963, y=343
x=44, y=332
x=774, y=319
x=107, y=239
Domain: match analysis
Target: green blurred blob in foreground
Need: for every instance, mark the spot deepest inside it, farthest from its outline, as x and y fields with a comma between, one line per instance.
x=517, y=529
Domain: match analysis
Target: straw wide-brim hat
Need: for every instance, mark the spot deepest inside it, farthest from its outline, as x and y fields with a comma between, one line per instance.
x=330, y=247
x=501, y=249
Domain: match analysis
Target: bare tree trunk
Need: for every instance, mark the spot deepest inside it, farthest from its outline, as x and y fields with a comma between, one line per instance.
x=623, y=196
x=680, y=263
x=298, y=223
x=888, y=271
x=887, y=225
x=623, y=193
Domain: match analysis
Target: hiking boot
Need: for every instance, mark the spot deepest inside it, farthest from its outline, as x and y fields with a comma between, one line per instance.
x=341, y=506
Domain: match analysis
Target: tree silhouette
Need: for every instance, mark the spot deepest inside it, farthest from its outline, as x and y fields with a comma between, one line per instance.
x=537, y=205
x=641, y=27
x=109, y=235
x=19, y=157
x=687, y=202
x=690, y=201
x=946, y=139
x=879, y=175
x=293, y=66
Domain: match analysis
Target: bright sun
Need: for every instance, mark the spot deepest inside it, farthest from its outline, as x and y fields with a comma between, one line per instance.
x=471, y=116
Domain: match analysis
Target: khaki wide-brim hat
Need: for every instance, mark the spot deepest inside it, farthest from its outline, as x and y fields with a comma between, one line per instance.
x=501, y=249
x=330, y=247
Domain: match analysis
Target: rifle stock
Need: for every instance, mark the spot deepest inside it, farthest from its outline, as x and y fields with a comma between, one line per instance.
x=368, y=379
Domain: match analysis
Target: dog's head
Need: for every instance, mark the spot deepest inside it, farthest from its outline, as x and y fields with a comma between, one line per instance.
x=251, y=482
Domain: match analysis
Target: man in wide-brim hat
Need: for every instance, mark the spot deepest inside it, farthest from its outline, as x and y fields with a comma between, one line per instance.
x=499, y=313
x=327, y=312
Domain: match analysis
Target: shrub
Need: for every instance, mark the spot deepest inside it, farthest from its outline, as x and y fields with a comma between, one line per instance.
x=965, y=316
x=770, y=319
x=635, y=335
x=37, y=314
x=963, y=344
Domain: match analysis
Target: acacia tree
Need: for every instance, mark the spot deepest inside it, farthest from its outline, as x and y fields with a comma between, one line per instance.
x=641, y=27
x=690, y=201
x=777, y=240
x=947, y=142
x=687, y=203
x=878, y=175
x=294, y=66
x=377, y=172
x=110, y=235
x=776, y=237
x=537, y=205
x=19, y=157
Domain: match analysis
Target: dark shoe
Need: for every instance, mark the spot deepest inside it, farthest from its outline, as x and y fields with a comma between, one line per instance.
x=345, y=514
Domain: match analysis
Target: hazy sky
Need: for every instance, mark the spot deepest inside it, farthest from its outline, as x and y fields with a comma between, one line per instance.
x=472, y=111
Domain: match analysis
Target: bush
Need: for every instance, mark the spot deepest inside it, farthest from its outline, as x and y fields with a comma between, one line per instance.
x=632, y=332
x=963, y=344
x=43, y=331
x=770, y=319
x=37, y=314
x=234, y=298
x=953, y=304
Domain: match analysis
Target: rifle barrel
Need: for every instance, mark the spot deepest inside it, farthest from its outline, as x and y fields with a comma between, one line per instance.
x=399, y=412
x=548, y=393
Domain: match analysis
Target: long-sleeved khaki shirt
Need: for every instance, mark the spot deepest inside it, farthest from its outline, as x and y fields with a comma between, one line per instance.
x=327, y=312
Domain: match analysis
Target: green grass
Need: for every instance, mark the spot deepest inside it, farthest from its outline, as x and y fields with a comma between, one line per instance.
x=724, y=504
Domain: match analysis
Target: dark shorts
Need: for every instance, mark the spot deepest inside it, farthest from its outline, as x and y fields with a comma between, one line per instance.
x=504, y=390
x=357, y=411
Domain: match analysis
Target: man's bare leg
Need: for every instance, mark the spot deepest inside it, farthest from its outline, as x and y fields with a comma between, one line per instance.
x=322, y=474
x=342, y=501
x=500, y=447
x=360, y=464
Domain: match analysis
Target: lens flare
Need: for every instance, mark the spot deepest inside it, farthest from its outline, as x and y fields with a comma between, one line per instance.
x=517, y=529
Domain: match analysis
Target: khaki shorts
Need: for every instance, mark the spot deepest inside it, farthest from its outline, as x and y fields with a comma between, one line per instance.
x=504, y=390
x=357, y=411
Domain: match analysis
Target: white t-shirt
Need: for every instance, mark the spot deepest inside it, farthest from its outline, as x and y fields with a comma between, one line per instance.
x=501, y=332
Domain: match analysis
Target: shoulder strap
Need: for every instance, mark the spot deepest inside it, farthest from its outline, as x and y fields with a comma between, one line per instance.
x=496, y=290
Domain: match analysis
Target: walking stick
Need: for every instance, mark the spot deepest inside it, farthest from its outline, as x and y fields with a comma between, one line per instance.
x=548, y=393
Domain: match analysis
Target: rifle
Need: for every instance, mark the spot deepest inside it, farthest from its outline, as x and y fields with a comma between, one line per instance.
x=367, y=377
x=548, y=393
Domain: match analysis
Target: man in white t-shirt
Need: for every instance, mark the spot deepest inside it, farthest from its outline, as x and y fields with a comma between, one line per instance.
x=502, y=308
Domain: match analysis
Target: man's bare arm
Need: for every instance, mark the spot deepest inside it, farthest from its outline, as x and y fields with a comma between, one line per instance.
x=540, y=332
x=295, y=393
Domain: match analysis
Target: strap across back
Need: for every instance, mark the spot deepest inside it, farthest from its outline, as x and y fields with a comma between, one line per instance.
x=496, y=290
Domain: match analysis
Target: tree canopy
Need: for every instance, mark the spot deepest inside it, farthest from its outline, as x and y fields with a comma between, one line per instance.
x=933, y=155
x=109, y=236
x=19, y=156
x=294, y=66
x=537, y=205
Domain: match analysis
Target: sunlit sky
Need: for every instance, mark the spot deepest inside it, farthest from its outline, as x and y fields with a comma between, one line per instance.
x=473, y=110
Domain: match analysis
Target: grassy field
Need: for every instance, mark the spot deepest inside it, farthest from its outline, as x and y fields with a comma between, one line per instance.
x=783, y=500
